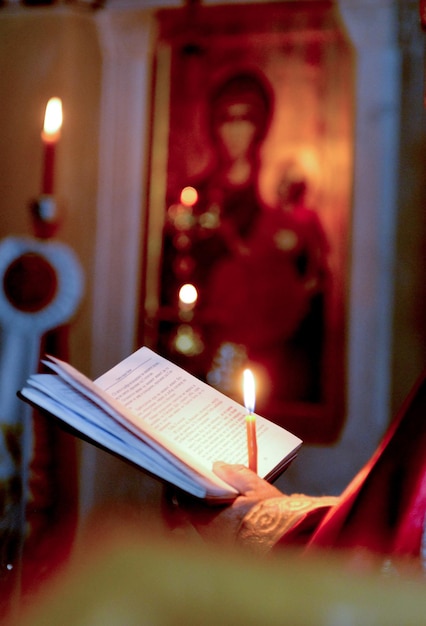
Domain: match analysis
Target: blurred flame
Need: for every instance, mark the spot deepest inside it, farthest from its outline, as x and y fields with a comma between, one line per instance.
x=188, y=294
x=52, y=119
x=188, y=196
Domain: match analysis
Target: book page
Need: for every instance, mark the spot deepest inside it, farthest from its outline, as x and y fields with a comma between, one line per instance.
x=190, y=414
x=56, y=396
x=123, y=416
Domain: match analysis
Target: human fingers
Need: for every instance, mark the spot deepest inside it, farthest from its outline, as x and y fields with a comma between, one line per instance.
x=244, y=480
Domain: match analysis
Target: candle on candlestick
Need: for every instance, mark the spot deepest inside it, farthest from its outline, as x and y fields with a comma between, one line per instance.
x=249, y=402
x=50, y=136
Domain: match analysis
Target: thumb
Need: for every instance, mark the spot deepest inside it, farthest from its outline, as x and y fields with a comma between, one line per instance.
x=238, y=476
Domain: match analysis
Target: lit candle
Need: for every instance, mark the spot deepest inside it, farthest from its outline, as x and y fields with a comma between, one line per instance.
x=188, y=296
x=50, y=136
x=249, y=402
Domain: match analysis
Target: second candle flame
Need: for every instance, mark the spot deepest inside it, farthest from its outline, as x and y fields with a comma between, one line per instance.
x=52, y=120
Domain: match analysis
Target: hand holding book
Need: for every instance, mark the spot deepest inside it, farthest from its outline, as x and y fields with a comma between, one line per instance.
x=156, y=415
x=220, y=525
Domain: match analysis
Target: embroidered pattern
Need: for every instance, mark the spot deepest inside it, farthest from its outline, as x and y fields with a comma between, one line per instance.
x=267, y=522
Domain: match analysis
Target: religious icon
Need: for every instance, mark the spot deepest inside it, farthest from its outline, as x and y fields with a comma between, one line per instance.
x=246, y=222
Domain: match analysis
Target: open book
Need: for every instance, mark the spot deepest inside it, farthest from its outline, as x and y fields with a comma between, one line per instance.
x=159, y=417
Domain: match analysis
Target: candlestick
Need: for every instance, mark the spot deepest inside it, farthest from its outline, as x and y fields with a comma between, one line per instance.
x=50, y=136
x=249, y=401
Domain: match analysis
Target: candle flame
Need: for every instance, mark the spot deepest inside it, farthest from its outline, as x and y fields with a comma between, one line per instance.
x=189, y=196
x=249, y=390
x=188, y=294
x=52, y=119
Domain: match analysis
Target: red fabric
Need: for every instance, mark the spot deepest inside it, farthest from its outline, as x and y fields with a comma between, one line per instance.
x=301, y=532
x=422, y=11
x=383, y=508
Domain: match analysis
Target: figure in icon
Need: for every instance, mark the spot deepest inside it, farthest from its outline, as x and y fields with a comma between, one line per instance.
x=257, y=269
